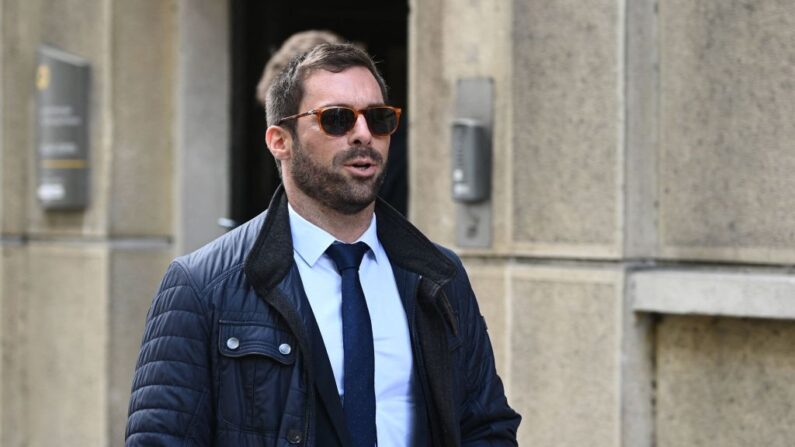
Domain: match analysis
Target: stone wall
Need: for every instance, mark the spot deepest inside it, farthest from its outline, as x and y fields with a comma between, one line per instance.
x=642, y=173
x=638, y=285
x=76, y=284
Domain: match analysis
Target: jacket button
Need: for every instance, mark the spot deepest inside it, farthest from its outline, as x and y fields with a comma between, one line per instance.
x=294, y=436
x=285, y=349
x=233, y=343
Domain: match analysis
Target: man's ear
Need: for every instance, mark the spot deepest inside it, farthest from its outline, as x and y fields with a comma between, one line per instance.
x=280, y=142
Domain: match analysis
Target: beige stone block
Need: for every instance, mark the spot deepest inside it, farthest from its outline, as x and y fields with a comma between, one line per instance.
x=73, y=26
x=723, y=293
x=201, y=160
x=725, y=382
x=135, y=273
x=131, y=49
x=431, y=98
x=143, y=91
x=565, y=355
x=567, y=126
x=472, y=42
x=15, y=112
x=489, y=284
x=726, y=107
x=64, y=340
x=71, y=321
x=13, y=318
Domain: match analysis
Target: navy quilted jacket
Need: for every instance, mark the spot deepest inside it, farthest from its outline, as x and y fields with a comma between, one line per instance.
x=194, y=388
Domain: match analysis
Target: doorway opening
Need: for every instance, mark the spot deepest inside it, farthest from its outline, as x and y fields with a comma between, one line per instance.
x=257, y=31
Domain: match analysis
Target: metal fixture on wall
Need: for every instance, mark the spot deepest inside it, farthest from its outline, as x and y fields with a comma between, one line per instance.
x=62, y=86
x=472, y=129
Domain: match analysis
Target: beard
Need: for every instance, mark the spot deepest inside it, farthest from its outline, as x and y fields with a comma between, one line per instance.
x=330, y=186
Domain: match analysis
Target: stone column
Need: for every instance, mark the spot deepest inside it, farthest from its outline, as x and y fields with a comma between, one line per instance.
x=552, y=283
x=76, y=284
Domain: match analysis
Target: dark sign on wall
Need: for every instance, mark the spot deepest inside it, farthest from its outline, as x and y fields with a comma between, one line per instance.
x=62, y=85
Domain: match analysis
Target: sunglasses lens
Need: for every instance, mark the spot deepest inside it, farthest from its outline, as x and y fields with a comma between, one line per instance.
x=337, y=120
x=381, y=120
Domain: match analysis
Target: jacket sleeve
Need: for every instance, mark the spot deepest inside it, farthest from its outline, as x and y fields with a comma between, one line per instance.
x=170, y=401
x=486, y=419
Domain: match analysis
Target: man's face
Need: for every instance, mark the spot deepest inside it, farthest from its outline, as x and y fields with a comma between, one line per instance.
x=344, y=172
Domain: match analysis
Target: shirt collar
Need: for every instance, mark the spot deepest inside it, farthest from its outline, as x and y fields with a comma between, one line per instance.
x=311, y=241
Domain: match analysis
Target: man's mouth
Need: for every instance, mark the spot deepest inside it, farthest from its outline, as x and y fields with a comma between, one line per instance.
x=362, y=167
x=360, y=162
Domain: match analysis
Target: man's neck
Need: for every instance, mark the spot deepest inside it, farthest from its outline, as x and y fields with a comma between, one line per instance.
x=344, y=227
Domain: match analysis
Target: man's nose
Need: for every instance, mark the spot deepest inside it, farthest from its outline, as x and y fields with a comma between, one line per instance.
x=360, y=134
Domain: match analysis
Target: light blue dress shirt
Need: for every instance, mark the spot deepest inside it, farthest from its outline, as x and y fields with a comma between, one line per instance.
x=394, y=378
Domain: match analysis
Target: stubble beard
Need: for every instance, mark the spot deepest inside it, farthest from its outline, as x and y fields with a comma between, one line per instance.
x=330, y=186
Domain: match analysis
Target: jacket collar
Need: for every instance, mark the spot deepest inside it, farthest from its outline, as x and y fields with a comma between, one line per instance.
x=408, y=248
x=271, y=257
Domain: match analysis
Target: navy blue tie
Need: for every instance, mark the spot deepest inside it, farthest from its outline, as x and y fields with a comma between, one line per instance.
x=357, y=341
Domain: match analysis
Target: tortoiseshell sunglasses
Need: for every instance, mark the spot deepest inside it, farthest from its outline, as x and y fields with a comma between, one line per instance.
x=338, y=120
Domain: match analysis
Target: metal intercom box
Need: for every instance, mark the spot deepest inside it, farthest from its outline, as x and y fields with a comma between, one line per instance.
x=62, y=129
x=471, y=165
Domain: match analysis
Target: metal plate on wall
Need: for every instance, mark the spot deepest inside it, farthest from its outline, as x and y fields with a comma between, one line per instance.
x=62, y=86
x=475, y=101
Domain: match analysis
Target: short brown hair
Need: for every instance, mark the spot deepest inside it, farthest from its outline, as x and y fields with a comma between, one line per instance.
x=297, y=44
x=287, y=90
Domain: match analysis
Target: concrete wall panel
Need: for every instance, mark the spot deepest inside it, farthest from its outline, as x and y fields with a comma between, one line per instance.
x=725, y=382
x=15, y=111
x=65, y=345
x=567, y=127
x=13, y=320
x=473, y=41
x=727, y=101
x=144, y=58
x=203, y=123
x=135, y=274
x=565, y=341
x=131, y=49
x=430, y=99
x=79, y=27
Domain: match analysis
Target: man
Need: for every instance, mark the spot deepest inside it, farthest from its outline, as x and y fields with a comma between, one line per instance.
x=328, y=320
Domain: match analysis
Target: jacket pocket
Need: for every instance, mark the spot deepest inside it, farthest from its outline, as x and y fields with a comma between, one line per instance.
x=240, y=339
x=254, y=372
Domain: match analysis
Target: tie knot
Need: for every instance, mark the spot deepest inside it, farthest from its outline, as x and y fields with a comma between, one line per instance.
x=347, y=256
